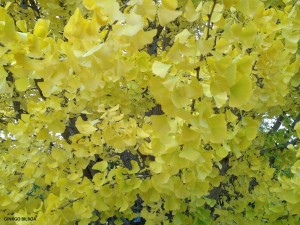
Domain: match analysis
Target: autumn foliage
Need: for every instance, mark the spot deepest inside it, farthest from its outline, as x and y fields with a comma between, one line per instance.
x=149, y=112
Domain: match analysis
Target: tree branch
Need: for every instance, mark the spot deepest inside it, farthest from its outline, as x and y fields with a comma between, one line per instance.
x=71, y=202
x=109, y=30
x=276, y=125
x=198, y=73
x=38, y=88
x=193, y=106
x=70, y=130
x=209, y=19
x=152, y=48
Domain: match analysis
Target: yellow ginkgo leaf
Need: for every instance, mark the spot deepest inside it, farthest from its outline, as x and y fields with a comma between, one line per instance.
x=297, y=128
x=76, y=20
x=73, y=176
x=160, y=69
x=218, y=128
x=179, y=97
x=161, y=178
x=190, y=12
x=100, y=204
x=124, y=204
x=41, y=28
x=181, y=190
x=187, y=134
x=101, y=166
x=229, y=3
x=57, y=127
x=221, y=152
x=22, y=84
x=21, y=24
x=230, y=117
x=135, y=167
x=84, y=127
x=183, y=36
x=3, y=84
x=134, y=24
x=5, y=201
x=147, y=9
x=205, y=46
x=244, y=65
x=172, y=203
x=160, y=124
x=189, y=154
x=222, y=45
x=112, y=8
x=194, y=89
x=51, y=202
x=79, y=207
x=296, y=168
x=220, y=99
x=47, y=88
x=170, y=4
x=251, y=127
x=249, y=7
x=89, y=4
x=59, y=154
x=43, y=134
x=96, y=139
x=241, y=92
x=141, y=133
x=155, y=167
x=166, y=15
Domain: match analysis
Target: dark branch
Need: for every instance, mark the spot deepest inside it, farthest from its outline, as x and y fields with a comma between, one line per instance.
x=209, y=19
x=156, y=110
x=70, y=202
x=38, y=88
x=109, y=30
x=193, y=106
x=70, y=130
x=276, y=125
x=152, y=48
x=198, y=73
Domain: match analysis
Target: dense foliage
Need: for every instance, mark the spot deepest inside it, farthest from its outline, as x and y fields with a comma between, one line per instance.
x=149, y=111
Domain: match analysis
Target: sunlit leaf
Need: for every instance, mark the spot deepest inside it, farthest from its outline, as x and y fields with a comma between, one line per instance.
x=190, y=154
x=22, y=84
x=160, y=69
x=241, y=92
x=167, y=15
x=41, y=28
x=85, y=127
x=101, y=166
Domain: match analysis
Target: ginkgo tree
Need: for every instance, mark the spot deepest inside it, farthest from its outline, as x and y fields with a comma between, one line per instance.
x=149, y=112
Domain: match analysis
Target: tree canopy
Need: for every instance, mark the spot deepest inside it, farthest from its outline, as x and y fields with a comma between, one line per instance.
x=149, y=112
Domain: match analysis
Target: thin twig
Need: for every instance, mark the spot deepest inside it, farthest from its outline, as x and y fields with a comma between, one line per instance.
x=36, y=81
x=198, y=73
x=254, y=66
x=209, y=18
x=107, y=33
x=70, y=202
x=109, y=30
x=193, y=106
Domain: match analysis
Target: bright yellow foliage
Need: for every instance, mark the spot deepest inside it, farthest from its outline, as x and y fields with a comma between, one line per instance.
x=122, y=110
